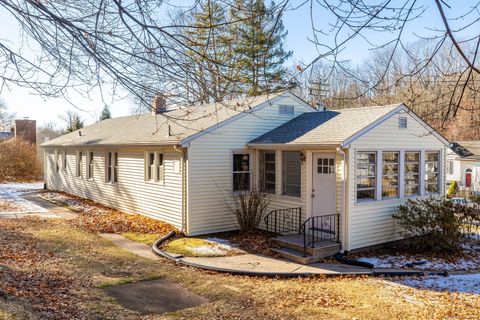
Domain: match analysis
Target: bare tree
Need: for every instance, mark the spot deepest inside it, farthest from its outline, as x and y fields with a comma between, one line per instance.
x=73, y=121
x=6, y=117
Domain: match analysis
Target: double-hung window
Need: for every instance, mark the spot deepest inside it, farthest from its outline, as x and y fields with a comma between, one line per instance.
x=412, y=173
x=431, y=172
x=154, y=166
x=292, y=172
x=267, y=171
x=390, y=162
x=241, y=172
x=366, y=175
x=112, y=167
x=79, y=164
x=90, y=165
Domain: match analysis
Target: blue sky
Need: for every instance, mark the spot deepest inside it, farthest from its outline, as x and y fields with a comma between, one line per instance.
x=27, y=104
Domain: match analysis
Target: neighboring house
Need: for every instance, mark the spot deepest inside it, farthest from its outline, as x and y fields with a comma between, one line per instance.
x=5, y=135
x=356, y=164
x=463, y=164
x=44, y=135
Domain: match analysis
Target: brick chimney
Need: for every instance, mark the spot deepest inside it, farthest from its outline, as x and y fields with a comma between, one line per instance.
x=159, y=104
x=25, y=129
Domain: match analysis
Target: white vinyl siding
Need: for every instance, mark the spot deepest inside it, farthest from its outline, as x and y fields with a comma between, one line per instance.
x=210, y=167
x=132, y=194
x=371, y=222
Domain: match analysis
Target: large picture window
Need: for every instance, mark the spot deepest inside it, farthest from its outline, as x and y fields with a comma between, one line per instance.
x=390, y=162
x=241, y=172
x=431, y=172
x=366, y=172
x=267, y=171
x=292, y=171
x=412, y=173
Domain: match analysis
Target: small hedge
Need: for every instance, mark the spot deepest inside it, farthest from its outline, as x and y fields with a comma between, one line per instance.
x=433, y=224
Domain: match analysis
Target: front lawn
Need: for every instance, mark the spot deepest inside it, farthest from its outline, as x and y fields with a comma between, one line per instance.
x=51, y=270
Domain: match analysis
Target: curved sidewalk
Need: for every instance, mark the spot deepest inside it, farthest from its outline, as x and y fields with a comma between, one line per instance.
x=253, y=264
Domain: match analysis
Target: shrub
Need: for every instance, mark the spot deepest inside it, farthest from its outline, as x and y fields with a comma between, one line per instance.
x=431, y=224
x=18, y=161
x=249, y=207
x=452, y=189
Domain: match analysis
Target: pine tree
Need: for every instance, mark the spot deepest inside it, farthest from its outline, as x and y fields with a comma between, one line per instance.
x=106, y=114
x=259, y=33
x=211, y=49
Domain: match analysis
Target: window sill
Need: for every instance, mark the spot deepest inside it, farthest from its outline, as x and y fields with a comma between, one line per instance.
x=391, y=200
x=155, y=183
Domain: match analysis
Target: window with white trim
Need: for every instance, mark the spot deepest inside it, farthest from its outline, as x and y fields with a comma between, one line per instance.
x=78, y=170
x=241, y=172
x=154, y=166
x=90, y=165
x=292, y=173
x=431, y=172
x=412, y=174
x=450, y=167
x=390, y=163
x=267, y=171
x=366, y=176
x=112, y=167
x=326, y=166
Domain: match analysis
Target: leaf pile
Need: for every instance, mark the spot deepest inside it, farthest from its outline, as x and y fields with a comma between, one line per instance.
x=256, y=241
x=30, y=276
x=96, y=218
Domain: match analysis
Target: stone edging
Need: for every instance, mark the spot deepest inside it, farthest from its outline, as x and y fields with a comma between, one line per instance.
x=178, y=260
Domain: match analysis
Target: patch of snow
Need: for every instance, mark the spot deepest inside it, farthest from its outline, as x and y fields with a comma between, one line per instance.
x=222, y=241
x=396, y=262
x=11, y=193
x=216, y=247
x=209, y=250
x=466, y=283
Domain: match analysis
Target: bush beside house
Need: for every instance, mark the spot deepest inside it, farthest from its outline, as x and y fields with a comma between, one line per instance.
x=18, y=161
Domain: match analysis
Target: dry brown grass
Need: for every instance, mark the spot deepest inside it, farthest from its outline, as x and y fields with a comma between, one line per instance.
x=85, y=262
x=6, y=206
x=18, y=161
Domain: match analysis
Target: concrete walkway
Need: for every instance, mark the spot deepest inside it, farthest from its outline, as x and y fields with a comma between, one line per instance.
x=53, y=211
x=252, y=264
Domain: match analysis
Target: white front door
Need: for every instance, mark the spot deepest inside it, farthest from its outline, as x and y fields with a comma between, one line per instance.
x=323, y=184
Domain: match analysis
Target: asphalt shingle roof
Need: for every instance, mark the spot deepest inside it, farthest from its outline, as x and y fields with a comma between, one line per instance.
x=467, y=149
x=167, y=128
x=324, y=127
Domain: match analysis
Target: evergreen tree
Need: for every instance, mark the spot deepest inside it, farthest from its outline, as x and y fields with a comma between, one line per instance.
x=211, y=49
x=259, y=33
x=73, y=121
x=106, y=114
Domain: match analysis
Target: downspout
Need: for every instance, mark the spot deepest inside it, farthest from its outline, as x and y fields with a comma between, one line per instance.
x=183, y=170
x=344, y=205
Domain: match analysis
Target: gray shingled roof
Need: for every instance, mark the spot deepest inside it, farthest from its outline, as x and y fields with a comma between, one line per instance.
x=467, y=149
x=147, y=129
x=324, y=127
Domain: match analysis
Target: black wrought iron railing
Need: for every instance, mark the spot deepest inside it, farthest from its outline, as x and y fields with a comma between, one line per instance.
x=284, y=220
x=320, y=228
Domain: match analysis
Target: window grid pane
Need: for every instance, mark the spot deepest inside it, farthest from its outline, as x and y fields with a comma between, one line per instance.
x=267, y=175
x=412, y=173
x=241, y=172
x=390, y=174
x=431, y=172
x=366, y=176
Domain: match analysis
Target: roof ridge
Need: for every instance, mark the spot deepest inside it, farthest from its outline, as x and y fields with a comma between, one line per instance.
x=368, y=107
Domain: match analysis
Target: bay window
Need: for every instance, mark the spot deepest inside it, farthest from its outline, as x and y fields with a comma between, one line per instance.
x=412, y=173
x=431, y=172
x=390, y=162
x=267, y=171
x=241, y=172
x=292, y=171
x=366, y=176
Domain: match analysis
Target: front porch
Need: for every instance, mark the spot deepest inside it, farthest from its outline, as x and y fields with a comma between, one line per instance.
x=303, y=241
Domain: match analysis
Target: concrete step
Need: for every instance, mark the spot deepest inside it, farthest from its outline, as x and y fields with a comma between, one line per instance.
x=296, y=243
x=298, y=256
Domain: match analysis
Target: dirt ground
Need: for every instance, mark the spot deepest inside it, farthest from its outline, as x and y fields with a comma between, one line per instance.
x=50, y=270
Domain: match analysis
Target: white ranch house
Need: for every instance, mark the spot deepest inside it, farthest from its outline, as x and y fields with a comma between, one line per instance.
x=351, y=166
